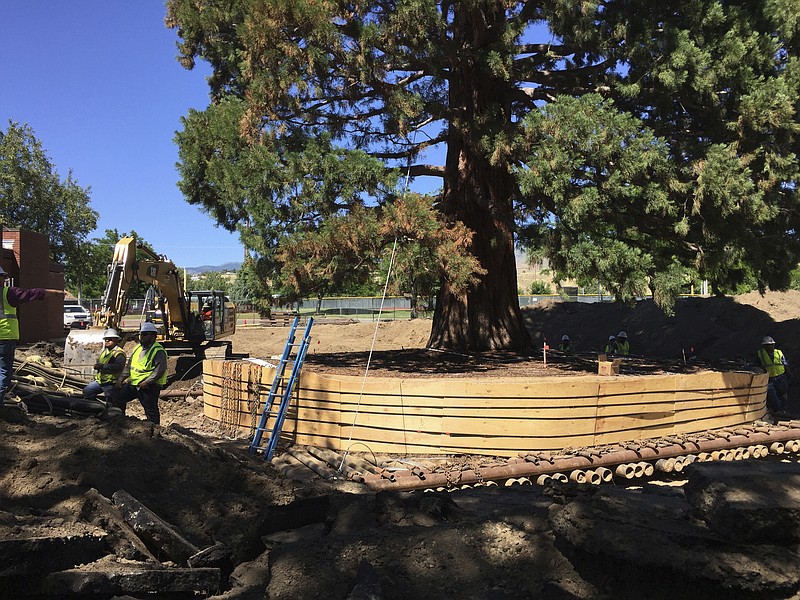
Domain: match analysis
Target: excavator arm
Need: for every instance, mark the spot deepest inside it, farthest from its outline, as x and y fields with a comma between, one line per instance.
x=126, y=270
x=183, y=327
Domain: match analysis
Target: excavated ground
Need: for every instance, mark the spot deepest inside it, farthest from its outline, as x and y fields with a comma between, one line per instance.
x=336, y=540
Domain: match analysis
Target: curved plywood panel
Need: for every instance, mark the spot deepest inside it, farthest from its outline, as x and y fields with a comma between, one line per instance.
x=493, y=416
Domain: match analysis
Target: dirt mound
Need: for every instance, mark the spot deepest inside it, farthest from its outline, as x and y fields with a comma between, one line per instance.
x=711, y=328
x=208, y=492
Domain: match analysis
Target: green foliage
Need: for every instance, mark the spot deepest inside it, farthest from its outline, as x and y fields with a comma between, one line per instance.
x=34, y=197
x=638, y=143
x=253, y=285
x=607, y=178
x=211, y=280
x=540, y=288
x=94, y=259
x=349, y=252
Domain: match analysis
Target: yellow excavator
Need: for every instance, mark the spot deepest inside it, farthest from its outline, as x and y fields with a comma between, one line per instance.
x=193, y=322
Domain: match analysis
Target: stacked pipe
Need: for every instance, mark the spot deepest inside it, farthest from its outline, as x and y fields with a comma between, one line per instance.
x=628, y=461
x=48, y=390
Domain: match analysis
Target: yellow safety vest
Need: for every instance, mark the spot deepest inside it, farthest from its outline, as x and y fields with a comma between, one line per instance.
x=143, y=365
x=623, y=348
x=106, y=356
x=9, y=325
x=773, y=364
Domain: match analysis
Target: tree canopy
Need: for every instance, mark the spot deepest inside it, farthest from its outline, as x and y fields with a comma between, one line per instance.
x=34, y=197
x=629, y=141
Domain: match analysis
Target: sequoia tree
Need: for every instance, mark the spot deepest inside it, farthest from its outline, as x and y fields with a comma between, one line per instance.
x=683, y=156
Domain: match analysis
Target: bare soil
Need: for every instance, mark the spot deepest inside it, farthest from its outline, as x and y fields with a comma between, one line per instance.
x=336, y=541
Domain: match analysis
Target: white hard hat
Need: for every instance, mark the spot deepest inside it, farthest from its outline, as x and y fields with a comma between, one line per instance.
x=110, y=333
x=767, y=340
x=148, y=327
x=611, y=338
x=622, y=335
x=564, y=338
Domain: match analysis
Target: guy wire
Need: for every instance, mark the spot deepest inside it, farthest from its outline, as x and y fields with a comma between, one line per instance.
x=375, y=333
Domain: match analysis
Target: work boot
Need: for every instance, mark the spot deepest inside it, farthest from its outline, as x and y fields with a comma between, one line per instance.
x=111, y=413
x=13, y=411
x=15, y=403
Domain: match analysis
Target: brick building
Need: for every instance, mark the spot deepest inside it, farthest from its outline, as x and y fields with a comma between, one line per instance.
x=25, y=257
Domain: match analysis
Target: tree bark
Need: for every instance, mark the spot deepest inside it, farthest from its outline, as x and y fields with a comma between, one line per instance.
x=479, y=194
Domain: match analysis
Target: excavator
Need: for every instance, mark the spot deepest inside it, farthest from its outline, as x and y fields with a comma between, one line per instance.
x=194, y=321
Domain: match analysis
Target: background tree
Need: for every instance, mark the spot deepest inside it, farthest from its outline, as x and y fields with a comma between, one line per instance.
x=33, y=197
x=91, y=278
x=211, y=280
x=317, y=105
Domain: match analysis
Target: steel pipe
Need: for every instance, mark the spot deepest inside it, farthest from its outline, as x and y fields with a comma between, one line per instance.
x=665, y=465
x=627, y=471
x=766, y=435
x=605, y=474
x=578, y=476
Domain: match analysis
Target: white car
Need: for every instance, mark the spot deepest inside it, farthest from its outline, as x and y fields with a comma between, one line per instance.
x=77, y=317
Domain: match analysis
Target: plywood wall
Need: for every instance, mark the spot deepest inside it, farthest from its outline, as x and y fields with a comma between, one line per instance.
x=490, y=416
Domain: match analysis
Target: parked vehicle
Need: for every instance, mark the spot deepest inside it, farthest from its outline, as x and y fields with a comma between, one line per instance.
x=76, y=317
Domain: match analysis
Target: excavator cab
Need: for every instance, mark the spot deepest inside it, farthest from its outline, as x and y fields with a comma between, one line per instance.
x=215, y=312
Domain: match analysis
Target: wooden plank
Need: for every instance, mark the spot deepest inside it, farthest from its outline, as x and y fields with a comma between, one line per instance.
x=511, y=446
x=500, y=415
x=519, y=427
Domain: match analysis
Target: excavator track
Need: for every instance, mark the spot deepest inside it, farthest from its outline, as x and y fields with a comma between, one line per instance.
x=625, y=462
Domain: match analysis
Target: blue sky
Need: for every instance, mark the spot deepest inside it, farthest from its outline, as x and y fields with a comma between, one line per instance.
x=98, y=82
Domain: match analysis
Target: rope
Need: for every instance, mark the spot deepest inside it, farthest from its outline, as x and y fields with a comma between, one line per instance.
x=375, y=333
x=254, y=398
x=230, y=397
x=369, y=356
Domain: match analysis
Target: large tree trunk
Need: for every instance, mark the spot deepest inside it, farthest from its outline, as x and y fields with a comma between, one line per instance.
x=479, y=194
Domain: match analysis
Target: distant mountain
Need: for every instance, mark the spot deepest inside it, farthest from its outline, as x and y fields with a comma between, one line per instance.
x=228, y=266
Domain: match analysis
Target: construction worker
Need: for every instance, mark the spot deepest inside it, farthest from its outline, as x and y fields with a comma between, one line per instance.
x=774, y=363
x=621, y=345
x=610, y=345
x=566, y=345
x=109, y=367
x=146, y=373
x=12, y=297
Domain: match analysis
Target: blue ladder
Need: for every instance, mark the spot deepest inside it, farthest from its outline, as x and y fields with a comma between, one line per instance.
x=279, y=415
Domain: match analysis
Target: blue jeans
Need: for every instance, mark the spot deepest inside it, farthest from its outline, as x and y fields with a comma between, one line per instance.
x=777, y=393
x=7, y=348
x=148, y=398
x=91, y=391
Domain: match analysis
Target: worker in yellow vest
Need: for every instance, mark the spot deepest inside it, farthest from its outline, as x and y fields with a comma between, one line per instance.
x=146, y=373
x=621, y=346
x=12, y=297
x=774, y=363
x=109, y=367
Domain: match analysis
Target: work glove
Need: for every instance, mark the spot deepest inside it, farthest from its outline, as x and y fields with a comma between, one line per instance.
x=98, y=366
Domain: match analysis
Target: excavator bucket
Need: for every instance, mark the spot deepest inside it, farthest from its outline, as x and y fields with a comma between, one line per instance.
x=82, y=349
